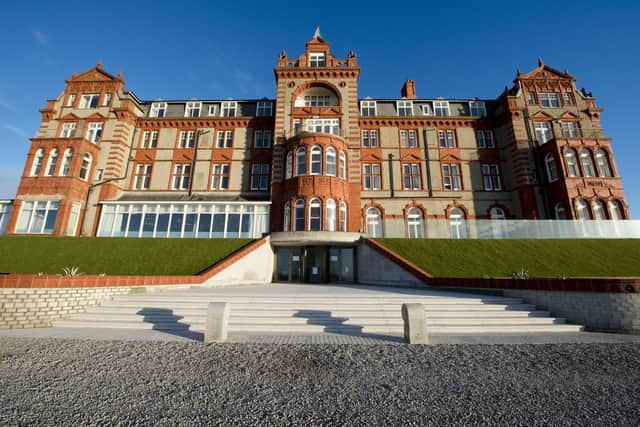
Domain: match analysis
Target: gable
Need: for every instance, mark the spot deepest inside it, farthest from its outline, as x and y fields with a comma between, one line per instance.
x=545, y=72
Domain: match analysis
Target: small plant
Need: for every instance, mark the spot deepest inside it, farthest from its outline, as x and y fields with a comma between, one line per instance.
x=71, y=271
x=102, y=274
x=39, y=273
x=522, y=274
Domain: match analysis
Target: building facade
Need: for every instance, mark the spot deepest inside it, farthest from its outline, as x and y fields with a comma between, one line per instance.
x=315, y=158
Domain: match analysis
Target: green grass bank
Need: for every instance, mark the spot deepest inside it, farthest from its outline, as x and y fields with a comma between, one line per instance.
x=542, y=258
x=34, y=254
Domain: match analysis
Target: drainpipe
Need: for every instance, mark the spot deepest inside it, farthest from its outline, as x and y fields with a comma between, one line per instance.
x=199, y=133
x=427, y=164
x=391, y=173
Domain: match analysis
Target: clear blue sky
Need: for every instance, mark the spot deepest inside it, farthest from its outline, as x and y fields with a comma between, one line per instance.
x=204, y=49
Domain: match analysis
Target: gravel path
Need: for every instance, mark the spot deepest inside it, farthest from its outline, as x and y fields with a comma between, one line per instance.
x=50, y=381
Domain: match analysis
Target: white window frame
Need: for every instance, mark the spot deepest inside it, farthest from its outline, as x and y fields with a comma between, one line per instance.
x=289, y=165
x=71, y=100
x=544, y=132
x=374, y=223
x=38, y=161
x=89, y=100
x=220, y=176
x=259, y=176
x=491, y=177
x=441, y=108
x=187, y=139
x=52, y=162
x=366, y=107
x=149, y=139
x=484, y=138
x=550, y=166
x=315, y=207
x=331, y=220
x=317, y=59
x=371, y=176
x=415, y=223
x=301, y=161
x=68, y=130
x=343, y=165
x=570, y=129
x=331, y=160
x=94, y=132
x=229, y=109
x=159, y=110
x=330, y=126
x=403, y=107
x=262, y=139
x=224, y=139
x=142, y=176
x=107, y=99
x=264, y=109
x=180, y=172
x=315, y=160
x=447, y=138
x=298, y=215
x=451, y=177
x=65, y=167
x=479, y=107
x=41, y=209
x=85, y=167
x=193, y=109
x=550, y=100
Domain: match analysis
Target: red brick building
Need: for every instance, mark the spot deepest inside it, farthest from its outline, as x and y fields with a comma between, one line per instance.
x=316, y=158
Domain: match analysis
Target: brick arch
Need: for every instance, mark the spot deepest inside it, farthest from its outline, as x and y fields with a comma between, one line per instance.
x=412, y=205
x=505, y=209
x=454, y=205
x=363, y=214
x=316, y=83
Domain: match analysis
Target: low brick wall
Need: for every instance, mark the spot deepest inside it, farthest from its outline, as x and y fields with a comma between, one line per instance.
x=31, y=301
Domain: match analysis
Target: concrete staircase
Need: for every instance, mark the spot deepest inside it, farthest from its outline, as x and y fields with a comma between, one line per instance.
x=307, y=309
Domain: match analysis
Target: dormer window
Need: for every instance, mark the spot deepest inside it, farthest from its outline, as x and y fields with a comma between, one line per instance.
x=477, y=108
x=212, y=110
x=405, y=108
x=368, y=108
x=192, y=109
x=441, y=108
x=71, y=100
x=89, y=100
x=550, y=100
x=317, y=59
x=229, y=109
x=158, y=109
x=427, y=110
x=264, y=109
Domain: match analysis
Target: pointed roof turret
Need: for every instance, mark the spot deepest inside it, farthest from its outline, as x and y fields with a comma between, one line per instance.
x=317, y=37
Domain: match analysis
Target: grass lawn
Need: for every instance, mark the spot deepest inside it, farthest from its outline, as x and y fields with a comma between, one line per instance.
x=33, y=254
x=542, y=258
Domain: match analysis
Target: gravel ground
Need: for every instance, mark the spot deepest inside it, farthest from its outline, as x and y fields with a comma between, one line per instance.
x=73, y=382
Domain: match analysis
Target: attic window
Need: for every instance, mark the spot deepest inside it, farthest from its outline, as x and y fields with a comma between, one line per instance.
x=317, y=59
x=158, y=109
x=89, y=100
x=550, y=100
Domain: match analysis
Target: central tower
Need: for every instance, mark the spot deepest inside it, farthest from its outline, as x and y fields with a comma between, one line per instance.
x=316, y=155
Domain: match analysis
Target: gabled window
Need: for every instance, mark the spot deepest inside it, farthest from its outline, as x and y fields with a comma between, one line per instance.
x=484, y=139
x=220, y=176
x=181, y=175
x=192, y=109
x=262, y=139
x=89, y=100
x=368, y=108
x=142, y=177
x=570, y=130
x=550, y=164
x=85, y=167
x=187, y=139
x=68, y=130
x=149, y=139
x=317, y=59
x=451, y=177
x=66, y=162
x=405, y=108
x=259, y=177
x=370, y=138
x=264, y=109
x=229, y=109
x=408, y=139
x=52, y=162
x=441, y=108
x=491, y=177
x=36, y=166
x=544, y=133
x=411, y=177
x=94, y=132
x=531, y=98
x=158, y=109
x=477, y=108
x=225, y=139
x=550, y=99
x=371, y=176
x=447, y=138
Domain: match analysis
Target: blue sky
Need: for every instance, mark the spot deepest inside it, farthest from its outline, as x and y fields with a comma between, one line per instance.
x=197, y=49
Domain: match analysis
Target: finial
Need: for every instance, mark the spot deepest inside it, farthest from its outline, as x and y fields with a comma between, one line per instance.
x=519, y=72
x=283, y=54
x=566, y=72
x=74, y=75
x=99, y=66
x=351, y=54
x=317, y=35
x=540, y=63
x=119, y=76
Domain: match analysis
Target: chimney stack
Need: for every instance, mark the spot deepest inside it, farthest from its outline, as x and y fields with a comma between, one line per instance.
x=409, y=90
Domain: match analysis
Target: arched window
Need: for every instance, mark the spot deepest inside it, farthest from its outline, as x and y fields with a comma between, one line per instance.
x=457, y=224
x=66, y=162
x=316, y=160
x=85, y=167
x=289, y=165
x=572, y=164
x=52, y=162
x=602, y=163
x=415, y=223
x=497, y=222
x=299, y=216
x=615, y=210
x=550, y=163
x=587, y=163
x=331, y=161
x=343, y=166
x=561, y=212
x=582, y=210
x=331, y=215
x=374, y=222
x=286, y=221
x=598, y=210
x=301, y=161
x=315, y=215
x=36, y=166
x=343, y=216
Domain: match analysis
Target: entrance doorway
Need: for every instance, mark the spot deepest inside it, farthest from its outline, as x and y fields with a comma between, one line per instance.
x=315, y=264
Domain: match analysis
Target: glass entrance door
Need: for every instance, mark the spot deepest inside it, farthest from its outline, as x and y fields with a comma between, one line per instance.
x=341, y=265
x=315, y=264
x=288, y=265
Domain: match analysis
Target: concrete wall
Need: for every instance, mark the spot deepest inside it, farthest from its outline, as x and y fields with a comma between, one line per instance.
x=376, y=269
x=255, y=267
x=595, y=310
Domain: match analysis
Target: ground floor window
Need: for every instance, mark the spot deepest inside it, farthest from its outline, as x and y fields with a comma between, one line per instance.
x=5, y=211
x=183, y=220
x=415, y=223
x=38, y=217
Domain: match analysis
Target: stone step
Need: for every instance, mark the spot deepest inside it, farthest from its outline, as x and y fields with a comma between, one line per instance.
x=354, y=300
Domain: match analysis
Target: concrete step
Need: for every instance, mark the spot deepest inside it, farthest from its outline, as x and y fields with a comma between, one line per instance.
x=319, y=298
